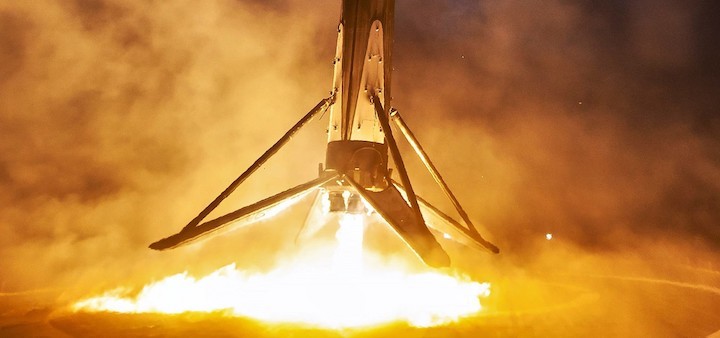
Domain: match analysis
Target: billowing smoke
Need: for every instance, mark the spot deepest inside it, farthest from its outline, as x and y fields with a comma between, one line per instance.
x=120, y=120
x=594, y=120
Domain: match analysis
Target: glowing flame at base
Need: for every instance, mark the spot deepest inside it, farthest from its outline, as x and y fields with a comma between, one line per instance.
x=344, y=293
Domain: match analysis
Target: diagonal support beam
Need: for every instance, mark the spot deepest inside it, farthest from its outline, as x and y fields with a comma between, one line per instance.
x=321, y=106
x=472, y=237
x=251, y=213
x=389, y=203
x=397, y=158
x=431, y=167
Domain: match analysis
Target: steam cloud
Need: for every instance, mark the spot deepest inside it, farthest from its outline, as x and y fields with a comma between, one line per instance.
x=119, y=120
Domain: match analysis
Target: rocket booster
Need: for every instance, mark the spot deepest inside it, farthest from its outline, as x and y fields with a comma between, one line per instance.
x=356, y=176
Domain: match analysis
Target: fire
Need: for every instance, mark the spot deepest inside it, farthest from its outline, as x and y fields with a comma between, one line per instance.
x=340, y=289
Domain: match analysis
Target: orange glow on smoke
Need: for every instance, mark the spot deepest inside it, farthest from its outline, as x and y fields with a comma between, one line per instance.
x=335, y=288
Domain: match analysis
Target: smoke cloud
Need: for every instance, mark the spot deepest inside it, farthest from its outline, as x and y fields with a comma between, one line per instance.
x=592, y=120
x=119, y=120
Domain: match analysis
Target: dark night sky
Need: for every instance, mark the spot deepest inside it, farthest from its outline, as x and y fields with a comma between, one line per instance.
x=594, y=120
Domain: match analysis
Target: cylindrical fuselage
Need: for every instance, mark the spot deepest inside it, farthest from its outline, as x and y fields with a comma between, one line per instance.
x=363, y=65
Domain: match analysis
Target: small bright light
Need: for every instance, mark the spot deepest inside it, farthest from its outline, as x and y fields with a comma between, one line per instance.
x=548, y=236
x=446, y=236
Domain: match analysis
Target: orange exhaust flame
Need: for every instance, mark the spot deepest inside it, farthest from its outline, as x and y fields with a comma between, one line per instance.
x=336, y=289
